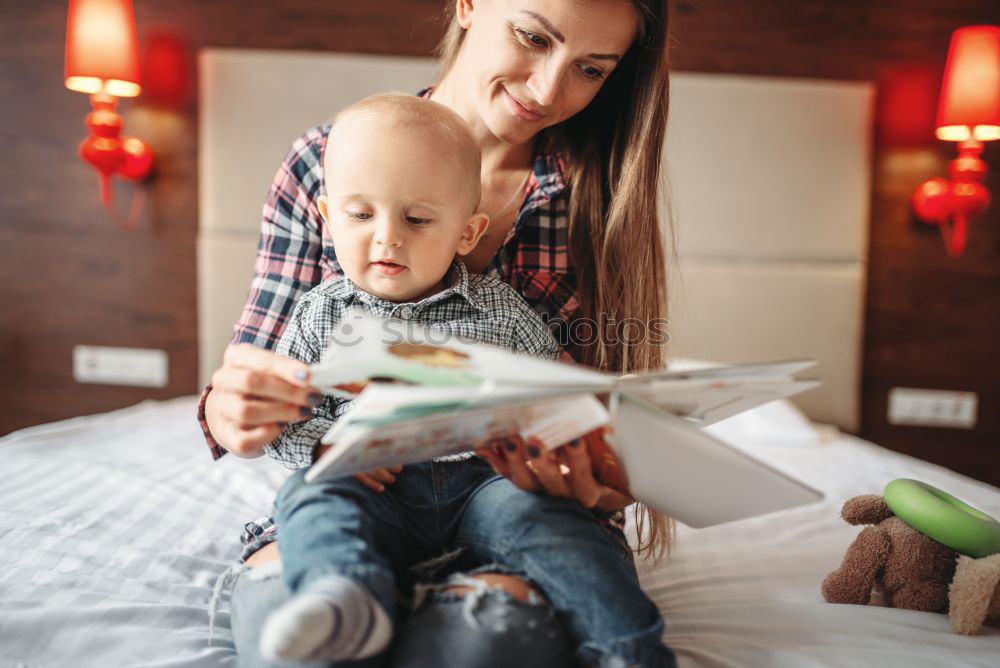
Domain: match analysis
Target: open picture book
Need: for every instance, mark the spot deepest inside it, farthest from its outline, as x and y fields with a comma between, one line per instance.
x=419, y=393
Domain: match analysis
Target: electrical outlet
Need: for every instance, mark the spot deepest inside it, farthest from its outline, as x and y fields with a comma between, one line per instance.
x=932, y=408
x=120, y=366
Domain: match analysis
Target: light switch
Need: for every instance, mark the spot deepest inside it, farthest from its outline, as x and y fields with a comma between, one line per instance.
x=142, y=367
x=932, y=408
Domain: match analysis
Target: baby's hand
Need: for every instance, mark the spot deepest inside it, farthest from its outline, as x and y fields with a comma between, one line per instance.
x=377, y=479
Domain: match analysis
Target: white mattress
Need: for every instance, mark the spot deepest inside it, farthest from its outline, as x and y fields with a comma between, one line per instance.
x=85, y=579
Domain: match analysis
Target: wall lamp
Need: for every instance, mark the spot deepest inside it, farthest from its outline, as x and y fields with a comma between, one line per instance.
x=968, y=113
x=102, y=60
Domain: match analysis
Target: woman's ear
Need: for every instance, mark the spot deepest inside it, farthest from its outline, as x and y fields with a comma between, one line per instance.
x=463, y=12
x=473, y=231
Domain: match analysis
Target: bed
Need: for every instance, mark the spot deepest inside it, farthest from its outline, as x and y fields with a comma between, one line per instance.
x=86, y=580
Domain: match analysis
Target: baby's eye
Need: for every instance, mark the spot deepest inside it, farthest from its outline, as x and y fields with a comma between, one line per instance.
x=359, y=215
x=415, y=220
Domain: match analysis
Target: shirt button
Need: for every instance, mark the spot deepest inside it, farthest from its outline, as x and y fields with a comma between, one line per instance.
x=406, y=312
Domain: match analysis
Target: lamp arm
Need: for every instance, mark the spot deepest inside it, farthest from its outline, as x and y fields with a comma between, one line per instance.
x=953, y=234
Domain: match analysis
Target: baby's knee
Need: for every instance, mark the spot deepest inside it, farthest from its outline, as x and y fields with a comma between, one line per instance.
x=518, y=587
x=485, y=627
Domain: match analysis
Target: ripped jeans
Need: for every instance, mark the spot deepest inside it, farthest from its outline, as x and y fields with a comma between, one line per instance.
x=391, y=542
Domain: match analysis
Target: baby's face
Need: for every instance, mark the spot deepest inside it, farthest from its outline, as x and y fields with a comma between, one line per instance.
x=397, y=209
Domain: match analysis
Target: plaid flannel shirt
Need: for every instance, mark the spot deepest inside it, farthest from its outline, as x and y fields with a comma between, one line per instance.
x=474, y=307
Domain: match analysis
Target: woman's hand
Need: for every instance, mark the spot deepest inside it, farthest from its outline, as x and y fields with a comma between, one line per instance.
x=253, y=394
x=564, y=471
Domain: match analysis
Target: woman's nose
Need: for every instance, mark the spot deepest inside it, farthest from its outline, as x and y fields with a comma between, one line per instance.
x=544, y=84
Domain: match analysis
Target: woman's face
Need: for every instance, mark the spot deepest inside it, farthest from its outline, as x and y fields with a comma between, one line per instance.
x=534, y=63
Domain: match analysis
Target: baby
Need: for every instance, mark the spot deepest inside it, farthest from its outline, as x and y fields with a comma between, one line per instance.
x=402, y=195
x=402, y=191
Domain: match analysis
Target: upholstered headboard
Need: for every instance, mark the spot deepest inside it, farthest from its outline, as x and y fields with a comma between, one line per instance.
x=768, y=180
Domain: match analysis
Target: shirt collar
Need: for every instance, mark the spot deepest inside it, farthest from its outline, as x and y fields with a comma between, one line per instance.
x=549, y=167
x=457, y=279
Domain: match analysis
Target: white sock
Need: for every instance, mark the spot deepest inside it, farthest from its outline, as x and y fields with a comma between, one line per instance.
x=334, y=619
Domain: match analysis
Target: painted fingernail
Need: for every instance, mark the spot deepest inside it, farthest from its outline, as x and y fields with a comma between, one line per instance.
x=302, y=374
x=533, y=451
x=315, y=398
x=511, y=446
x=305, y=411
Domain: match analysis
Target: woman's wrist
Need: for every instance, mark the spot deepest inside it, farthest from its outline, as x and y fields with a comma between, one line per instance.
x=206, y=417
x=612, y=501
x=209, y=416
x=214, y=427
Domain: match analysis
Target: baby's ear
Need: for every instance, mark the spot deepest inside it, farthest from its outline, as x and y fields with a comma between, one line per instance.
x=474, y=230
x=323, y=211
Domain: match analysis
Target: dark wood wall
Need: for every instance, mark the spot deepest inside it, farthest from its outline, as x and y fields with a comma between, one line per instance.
x=71, y=277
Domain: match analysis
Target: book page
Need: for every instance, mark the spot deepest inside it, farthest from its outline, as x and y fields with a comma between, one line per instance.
x=358, y=446
x=364, y=347
x=706, y=401
x=692, y=476
x=749, y=370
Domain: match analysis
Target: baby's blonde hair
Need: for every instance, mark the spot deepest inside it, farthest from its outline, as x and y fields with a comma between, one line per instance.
x=440, y=122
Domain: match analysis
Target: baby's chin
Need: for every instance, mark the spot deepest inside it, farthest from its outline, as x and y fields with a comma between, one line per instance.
x=394, y=288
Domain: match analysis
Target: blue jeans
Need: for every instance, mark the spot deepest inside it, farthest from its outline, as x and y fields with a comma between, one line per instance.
x=479, y=519
x=488, y=629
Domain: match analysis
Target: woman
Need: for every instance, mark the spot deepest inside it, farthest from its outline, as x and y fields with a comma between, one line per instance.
x=568, y=102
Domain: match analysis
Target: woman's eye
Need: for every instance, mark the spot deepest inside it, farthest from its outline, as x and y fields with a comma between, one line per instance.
x=592, y=72
x=359, y=215
x=530, y=38
x=417, y=221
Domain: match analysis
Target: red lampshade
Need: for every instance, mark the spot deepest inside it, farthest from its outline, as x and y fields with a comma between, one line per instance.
x=102, y=52
x=166, y=69
x=970, y=93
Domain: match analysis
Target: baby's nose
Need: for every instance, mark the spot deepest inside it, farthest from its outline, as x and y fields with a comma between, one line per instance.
x=387, y=234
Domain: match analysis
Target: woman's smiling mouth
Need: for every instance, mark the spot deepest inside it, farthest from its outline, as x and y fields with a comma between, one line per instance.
x=519, y=109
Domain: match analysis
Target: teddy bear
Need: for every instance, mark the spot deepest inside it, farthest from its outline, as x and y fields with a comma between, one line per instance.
x=908, y=568
x=911, y=570
x=974, y=595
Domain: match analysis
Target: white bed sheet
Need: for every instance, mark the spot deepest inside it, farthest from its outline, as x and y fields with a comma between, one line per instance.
x=86, y=579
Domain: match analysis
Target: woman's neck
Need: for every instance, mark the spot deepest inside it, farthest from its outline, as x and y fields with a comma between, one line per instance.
x=497, y=155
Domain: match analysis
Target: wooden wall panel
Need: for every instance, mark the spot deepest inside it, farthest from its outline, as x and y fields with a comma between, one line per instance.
x=72, y=277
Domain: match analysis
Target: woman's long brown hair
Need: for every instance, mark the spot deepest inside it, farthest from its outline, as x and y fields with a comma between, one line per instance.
x=612, y=150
